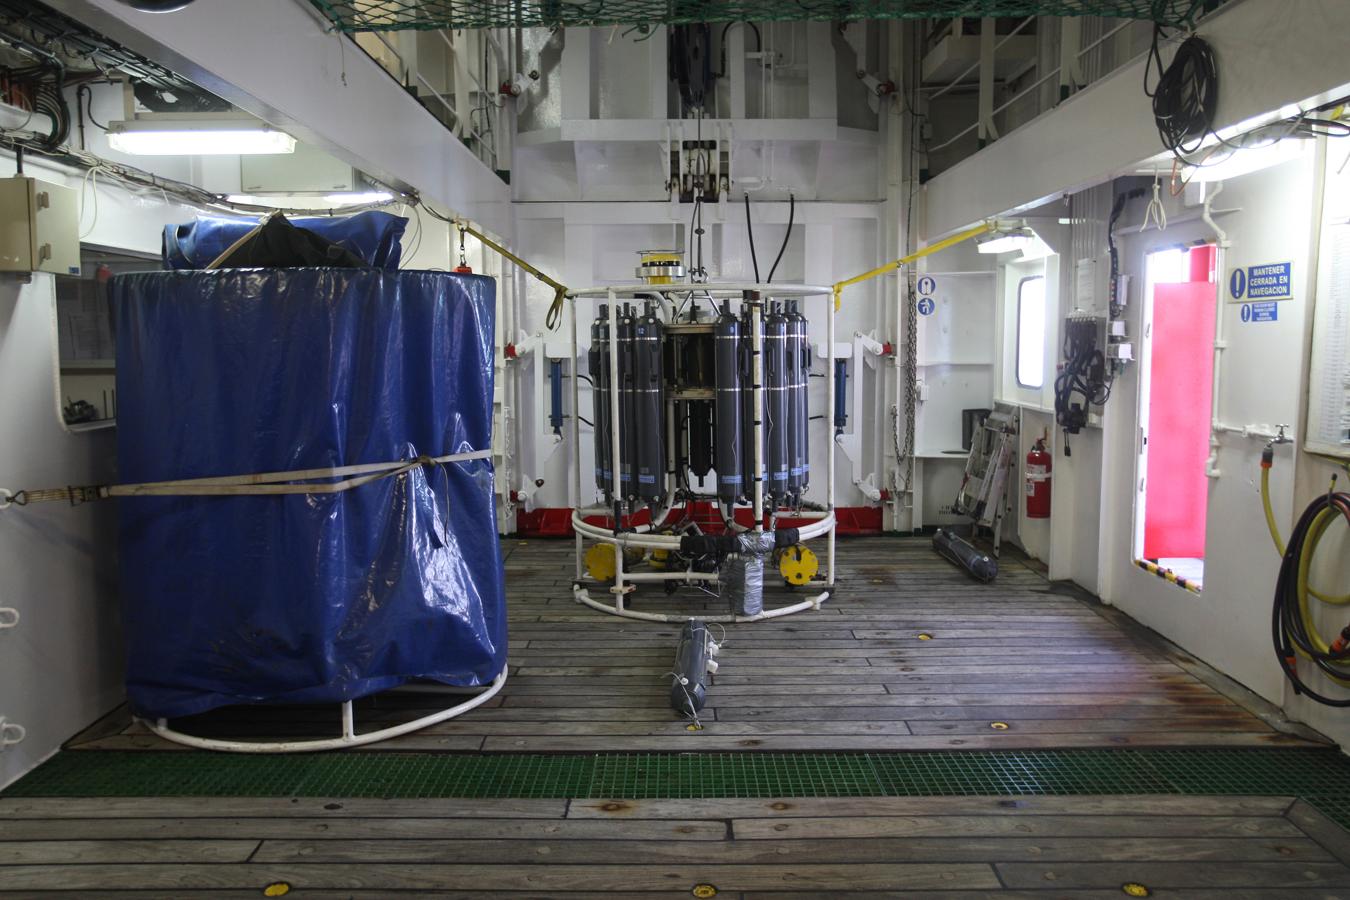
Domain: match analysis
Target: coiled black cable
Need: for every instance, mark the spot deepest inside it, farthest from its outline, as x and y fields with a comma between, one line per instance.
x=1083, y=376
x=1186, y=93
x=1289, y=627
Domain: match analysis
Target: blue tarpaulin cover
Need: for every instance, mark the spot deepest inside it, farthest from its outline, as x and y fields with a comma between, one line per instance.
x=314, y=597
x=372, y=235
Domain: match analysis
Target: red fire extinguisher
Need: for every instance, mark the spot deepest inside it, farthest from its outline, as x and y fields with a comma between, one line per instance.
x=1038, y=481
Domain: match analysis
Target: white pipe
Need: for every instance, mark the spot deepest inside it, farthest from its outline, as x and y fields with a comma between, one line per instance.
x=576, y=433
x=674, y=575
x=1258, y=432
x=829, y=430
x=715, y=291
x=161, y=728
x=1221, y=244
x=640, y=538
x=583, y=596
x=757, y=403
x=348, y=722
x=614, y=429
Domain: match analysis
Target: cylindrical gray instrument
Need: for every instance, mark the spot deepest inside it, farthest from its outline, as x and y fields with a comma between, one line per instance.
x=729, y=409
x=649, y=406
x=751, y=412
x=799, y=418
x=626, y=424
x=700, y=433
x=976, y=562
x=597, y=359
x=776, y=424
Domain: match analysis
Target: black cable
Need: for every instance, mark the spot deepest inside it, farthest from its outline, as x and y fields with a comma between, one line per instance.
x=85, y=91
x=1084, y=375
x=750, y=230
x=759, y=44
x=792, y=212
x=1117, y=208
x=1186, y=93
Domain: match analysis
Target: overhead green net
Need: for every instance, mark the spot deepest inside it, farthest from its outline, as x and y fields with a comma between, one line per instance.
x=399, y=15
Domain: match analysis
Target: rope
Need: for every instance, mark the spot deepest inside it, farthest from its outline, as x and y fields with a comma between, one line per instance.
x=264, y=484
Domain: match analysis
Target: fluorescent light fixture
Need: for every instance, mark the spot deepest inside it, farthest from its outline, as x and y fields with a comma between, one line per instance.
x=254, y=200
x=359, y=197
x=1005, y=242
x=169, y=137
x=1247, y=160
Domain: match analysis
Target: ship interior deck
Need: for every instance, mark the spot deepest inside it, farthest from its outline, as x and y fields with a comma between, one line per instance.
x=920, y=733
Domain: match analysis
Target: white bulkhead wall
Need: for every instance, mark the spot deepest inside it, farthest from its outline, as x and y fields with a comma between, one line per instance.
x=589, y=175
x=1088, y=141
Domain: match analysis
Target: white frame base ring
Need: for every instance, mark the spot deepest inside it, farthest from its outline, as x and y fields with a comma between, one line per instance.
x=583, y=596
x=349, y=736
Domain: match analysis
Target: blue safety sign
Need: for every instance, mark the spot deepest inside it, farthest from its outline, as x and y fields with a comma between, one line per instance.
x=926, y=306
x=1271, y=281
x=1261, y=311
x=927, y=285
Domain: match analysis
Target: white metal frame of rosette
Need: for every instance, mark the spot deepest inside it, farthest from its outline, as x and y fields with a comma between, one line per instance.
x=349, y=737
x=644, y=537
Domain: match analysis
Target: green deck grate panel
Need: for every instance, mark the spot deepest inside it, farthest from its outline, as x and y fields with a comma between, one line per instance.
x=1320, y=776
x=400, y=15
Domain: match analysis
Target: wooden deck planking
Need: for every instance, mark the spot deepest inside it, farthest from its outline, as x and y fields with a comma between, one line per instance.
x=1057, y=669
x=1259, y=848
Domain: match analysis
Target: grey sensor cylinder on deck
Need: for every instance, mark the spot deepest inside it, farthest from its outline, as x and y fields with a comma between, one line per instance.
x=690, y=690
x=976, y=562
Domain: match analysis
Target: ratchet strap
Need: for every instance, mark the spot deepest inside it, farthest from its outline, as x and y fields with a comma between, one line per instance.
x=554, y=316
x=298, y=481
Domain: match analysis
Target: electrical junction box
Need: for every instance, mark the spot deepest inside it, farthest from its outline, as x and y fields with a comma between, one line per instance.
x=39, y=227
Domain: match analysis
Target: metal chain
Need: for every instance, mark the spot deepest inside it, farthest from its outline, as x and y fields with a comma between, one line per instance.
x=911, y=380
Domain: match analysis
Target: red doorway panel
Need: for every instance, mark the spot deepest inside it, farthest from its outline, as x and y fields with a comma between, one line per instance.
x=1182, y=372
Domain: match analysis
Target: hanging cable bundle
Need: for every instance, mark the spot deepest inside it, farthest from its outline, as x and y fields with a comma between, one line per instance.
x=1084, y=375
x=1186, y=93
x=1293, y=631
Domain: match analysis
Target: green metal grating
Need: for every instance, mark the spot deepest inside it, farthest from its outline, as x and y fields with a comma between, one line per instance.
x=401, y=15
x=1322, y=777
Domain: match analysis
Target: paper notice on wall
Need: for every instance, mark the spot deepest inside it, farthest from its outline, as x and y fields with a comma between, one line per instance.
x=1329, y=385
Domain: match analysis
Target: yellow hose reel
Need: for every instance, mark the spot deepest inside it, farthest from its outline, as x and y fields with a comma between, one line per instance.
x=798, y=565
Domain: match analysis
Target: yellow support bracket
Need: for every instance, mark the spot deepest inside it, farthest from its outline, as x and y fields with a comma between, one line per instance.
x=897, y=264
x=559, y=290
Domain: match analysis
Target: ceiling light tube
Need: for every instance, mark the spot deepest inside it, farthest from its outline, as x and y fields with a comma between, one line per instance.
x=197, y=138
x=1247, y=160
x=1005, y=242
